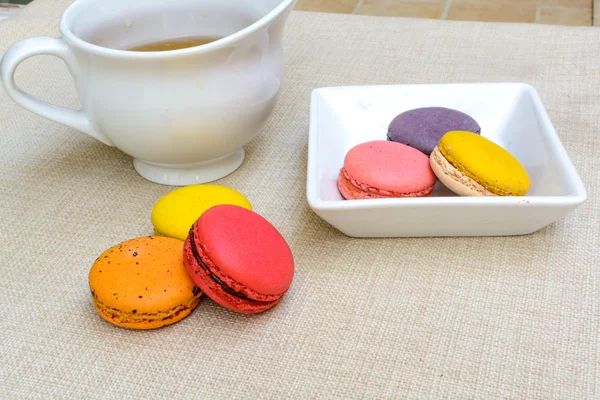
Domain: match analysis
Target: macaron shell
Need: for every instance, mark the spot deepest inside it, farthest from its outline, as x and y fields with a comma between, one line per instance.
x=422, y=128
x=143, y=283
x=485, y=162
x=246, y=248
x=174, y=213
x=389, y=166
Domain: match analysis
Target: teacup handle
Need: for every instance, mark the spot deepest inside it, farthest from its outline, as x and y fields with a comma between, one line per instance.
x=45, y=46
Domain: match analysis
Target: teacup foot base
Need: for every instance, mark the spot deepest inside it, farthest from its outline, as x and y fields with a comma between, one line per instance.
x=190, y=174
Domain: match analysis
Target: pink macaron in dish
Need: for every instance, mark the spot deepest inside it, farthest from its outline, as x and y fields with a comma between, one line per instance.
x=385, y=169
x=238, y=259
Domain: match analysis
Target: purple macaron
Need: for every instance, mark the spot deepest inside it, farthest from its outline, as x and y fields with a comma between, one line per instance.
x=422, y=128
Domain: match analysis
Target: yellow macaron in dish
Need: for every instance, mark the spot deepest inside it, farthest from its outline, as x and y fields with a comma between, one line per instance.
x=471, y=165
x=175, y=213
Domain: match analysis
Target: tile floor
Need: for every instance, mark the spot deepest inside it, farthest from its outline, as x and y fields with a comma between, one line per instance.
x=557, y=12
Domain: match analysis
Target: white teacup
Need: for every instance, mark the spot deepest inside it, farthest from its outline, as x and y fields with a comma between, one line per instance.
x=183, y=115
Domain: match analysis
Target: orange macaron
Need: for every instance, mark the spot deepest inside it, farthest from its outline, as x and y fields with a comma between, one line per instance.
x=142, y=283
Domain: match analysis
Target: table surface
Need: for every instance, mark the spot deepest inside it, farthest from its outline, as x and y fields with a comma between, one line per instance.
x=493, y=318
x=556, y=12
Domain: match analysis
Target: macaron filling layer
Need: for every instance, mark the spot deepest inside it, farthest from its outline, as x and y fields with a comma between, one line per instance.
x=228, y=285
x=373, y=192
x=133, y=317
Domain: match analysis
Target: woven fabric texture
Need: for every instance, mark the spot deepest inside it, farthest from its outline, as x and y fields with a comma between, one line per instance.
x=505, y=318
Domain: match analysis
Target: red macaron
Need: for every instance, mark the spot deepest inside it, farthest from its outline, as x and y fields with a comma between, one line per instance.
x=238, y=259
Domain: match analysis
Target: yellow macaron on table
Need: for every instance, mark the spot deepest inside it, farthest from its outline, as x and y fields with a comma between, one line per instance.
x=174, y=213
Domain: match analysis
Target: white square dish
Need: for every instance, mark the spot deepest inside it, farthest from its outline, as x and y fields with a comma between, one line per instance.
x=510, y=114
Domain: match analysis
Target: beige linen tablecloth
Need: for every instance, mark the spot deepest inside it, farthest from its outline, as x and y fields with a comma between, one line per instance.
x=507, y=318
